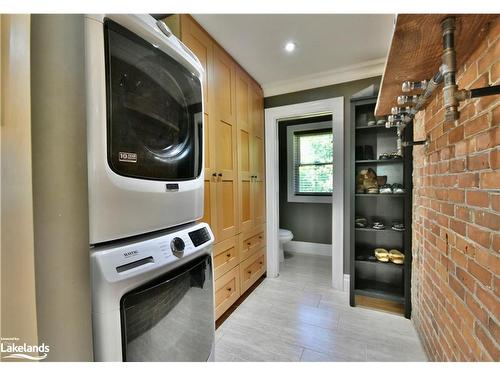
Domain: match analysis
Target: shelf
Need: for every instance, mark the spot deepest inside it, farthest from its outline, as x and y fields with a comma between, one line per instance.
x=373, y=127
x=377, y=289
x=381, y=195
x=379, y=230
x=376, y=263
x=416, y=50
x=386, y=161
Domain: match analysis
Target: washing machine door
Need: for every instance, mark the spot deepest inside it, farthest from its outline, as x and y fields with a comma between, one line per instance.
x=172, y=317
x=154, y=110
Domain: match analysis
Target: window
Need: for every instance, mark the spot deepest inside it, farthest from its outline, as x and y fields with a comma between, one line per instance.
x=313, y=162
x=310, y=160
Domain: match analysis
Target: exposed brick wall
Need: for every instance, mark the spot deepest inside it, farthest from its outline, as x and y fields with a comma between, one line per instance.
x=456, y=219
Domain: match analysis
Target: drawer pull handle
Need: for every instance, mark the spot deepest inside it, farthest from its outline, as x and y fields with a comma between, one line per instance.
x=249, y=243
x=260, y=237
x=228, y=255
x=220, y=174
x=214, y=174
x=249, y=272
x=261, y=263
x=228, y=289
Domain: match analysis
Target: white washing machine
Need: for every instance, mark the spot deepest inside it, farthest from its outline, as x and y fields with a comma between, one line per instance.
x=145, y=127
x=153, y=298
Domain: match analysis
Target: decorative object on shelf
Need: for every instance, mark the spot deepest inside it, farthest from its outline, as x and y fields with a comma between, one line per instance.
x=395, y=256
x=398, y=226
x=381, y=254
x=369, y=155
x=366, y=181
x=385, y=189
x=381, y=180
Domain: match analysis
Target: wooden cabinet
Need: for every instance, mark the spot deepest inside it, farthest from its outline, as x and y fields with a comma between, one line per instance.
x=227, y=290
x=234, y=202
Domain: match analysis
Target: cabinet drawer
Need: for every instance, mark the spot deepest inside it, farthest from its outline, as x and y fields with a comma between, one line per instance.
x=225, y=256
x=251, y=242
x=252, y=268
x=227, y=290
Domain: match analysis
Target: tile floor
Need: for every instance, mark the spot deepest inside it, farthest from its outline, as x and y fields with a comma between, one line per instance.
x=298, y=317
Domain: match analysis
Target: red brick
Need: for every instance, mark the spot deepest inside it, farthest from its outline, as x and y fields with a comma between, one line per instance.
x=495, y=73
x=495, y=159
x=461, y=148
x=457, y=287
x=476, y=308
x=478, y=198
x=476, y=125
x=481, y=161
x=478, y=235
x=496, y=242
x=479, y=272
x=489, y=58
x=467, y=180
x=458, y=226
x=457, y=165
x=490, y=180
x=495, y=202
x=466, y=279
x=485, y=339
x=486, y=140
x=456, y=135
x=449, y=209
x=488, y=300
x=488, y=220
x=463, y=213
x=456, y=196
x=495, y=116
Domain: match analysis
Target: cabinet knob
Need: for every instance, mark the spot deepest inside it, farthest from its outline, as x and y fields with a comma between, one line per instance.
x=260, y=237
x=220, y=174
x=228, y=255
x=228, y=289
x=261, y=263
x=214, y=174
x=249, y=243
x=249, y=272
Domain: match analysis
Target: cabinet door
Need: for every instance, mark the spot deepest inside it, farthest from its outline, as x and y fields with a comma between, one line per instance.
x=244, y=141
x=258, y=157
x=225, y=145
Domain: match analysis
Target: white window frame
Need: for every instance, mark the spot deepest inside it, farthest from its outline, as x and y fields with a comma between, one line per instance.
x=292, y=197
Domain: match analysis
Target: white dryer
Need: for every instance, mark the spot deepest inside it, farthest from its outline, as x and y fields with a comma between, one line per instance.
x=145, y=127
x=153, y=298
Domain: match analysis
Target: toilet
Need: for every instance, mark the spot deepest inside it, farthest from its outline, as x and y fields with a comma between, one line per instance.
x=284, y=236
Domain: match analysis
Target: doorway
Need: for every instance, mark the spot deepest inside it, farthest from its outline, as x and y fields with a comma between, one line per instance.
x=273, y=116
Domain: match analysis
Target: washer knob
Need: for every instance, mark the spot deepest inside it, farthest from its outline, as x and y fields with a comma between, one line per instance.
x=177, y=245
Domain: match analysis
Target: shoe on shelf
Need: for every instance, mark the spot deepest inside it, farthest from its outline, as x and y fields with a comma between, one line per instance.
x=396, y=257
x=383, y=156
x=398, y=226
x=381, y=122
x=361, y=222
x=395, y=155
x=381, y=254
x=385, y=189
x=378, y=224
x=398, y=189
x=372, y=190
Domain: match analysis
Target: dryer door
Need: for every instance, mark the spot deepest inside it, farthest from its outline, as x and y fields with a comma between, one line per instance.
x=154, y=110
x=172, y=317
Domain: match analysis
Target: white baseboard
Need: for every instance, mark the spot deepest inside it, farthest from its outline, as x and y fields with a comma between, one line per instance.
x=309, y=248
x=346, y=282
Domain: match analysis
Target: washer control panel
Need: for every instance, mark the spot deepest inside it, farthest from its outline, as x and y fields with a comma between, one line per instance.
x=200, y=236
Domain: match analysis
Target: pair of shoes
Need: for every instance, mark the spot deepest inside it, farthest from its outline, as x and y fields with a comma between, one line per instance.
x=361, y=222
x=398, y=226
x=398, y=189
x=395, y=256
x=389, y=156
x=386, y=189
x=378, y=224
x=364, y=152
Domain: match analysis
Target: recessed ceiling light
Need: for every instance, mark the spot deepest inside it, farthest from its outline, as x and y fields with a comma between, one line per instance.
x=290, y=46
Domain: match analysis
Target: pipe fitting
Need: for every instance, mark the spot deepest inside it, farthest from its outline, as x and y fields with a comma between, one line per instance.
x=408, y=86
x=448, y=70
x=400, y=110
x=407, y=99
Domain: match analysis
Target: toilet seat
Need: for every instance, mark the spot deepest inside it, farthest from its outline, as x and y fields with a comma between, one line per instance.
x=285, y=234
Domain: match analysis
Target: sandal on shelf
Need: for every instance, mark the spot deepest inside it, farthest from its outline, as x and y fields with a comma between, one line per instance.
x=395, y=155
x=381, y=254
x=398, y=226
x=378, y=224
x=384, y=156
x=396, y=256
x=361, y=222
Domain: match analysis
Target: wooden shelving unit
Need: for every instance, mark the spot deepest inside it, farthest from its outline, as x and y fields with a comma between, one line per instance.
x=387, y=283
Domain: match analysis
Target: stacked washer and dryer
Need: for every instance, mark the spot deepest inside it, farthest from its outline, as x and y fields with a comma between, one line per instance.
x=151, y=263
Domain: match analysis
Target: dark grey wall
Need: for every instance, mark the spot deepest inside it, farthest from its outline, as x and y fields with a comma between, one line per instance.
x=318, y=227
x=346, y=90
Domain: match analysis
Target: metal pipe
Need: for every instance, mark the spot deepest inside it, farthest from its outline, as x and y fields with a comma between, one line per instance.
x=450, y=87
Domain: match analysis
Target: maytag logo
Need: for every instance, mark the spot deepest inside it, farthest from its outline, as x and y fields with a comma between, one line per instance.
x=130, y=253
x=128, y=157
x=12, y=350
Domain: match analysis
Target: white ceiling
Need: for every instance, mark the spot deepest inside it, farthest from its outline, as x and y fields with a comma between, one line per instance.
x=331, y=48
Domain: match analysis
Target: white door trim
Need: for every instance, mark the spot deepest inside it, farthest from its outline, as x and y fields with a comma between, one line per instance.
x=272, y=115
